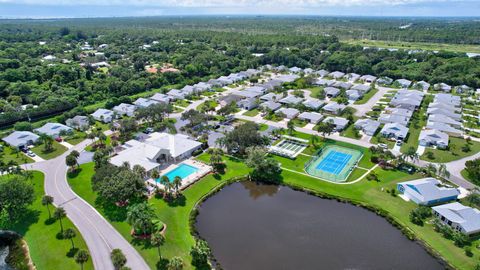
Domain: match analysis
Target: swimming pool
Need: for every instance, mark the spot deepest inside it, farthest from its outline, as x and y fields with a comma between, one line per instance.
x=183, y=170
x=333, y=163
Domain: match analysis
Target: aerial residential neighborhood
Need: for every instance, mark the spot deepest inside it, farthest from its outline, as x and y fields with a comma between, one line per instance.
x=186, y=143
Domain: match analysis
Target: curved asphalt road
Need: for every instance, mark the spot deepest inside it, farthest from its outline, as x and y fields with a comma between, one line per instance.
x=99, y=235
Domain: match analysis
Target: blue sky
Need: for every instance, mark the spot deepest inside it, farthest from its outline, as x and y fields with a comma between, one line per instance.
x=109, y=8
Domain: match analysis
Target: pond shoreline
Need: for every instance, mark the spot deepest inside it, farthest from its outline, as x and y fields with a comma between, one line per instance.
x=379, y=212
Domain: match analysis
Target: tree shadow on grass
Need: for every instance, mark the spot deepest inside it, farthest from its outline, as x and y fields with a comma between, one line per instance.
x=112, y=211
x=49, y=221
x=162, y=264
x=24, y=222
x=71, y=253
x=181, y=200
x=75, y=173
x=59, y=236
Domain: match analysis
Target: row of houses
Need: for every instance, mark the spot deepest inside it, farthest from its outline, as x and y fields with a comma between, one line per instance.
x=22, y=139
x=431, y=192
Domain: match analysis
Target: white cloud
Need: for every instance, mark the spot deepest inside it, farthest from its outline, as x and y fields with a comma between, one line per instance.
x=227, y=3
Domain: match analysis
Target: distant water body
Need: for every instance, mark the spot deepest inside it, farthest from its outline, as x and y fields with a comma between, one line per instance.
x=251, y=226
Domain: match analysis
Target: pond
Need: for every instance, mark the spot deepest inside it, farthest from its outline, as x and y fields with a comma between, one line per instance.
x=252, y=226
x=3, y=255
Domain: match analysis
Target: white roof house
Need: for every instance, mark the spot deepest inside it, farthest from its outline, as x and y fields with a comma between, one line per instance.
x=394, y=130
x=368, y=126
x=295, y=69
x=324, y=82
x=343, y=85
x=155, y=150
x=271, y=97
x=78, y=122
x=448, y=99
x=336, y=74
x=271, y=105
x=176, y=94
x=313, y=104
x=427, y=191
x=312, y=117
x=144, y=102
x=393, y=118
x=322, y=72
x=442, y=87
x=289, y=113
x=334, y=108
x=339, y=122
x=404, y=83
x=407, y=99
x=444, y=119
x=459, y=217
x=445, y=112
x=53, y=129
x=287, y=78
x=21, y=139
x=430, y=137
x=103, y=115
x=125, y=109
x=352, y=76
x=248, y=103
x=422, y=85
x=161, y=98
x=247, y=94
x=353, y=94
x=368, y=78
x=331, y=91
x=361, y=87
x=291, y=100
x=257, y=88
x=385, y=81
x=445, y=128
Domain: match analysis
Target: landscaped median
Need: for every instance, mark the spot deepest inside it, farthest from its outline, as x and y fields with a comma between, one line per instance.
x=40, y=232
x=374, y=195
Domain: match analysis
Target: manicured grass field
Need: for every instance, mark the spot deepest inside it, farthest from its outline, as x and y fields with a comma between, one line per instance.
x=76, y=137
x=349, y=132
x=366, y=97
x=416, y=45
x=252, y=113
x=8, y=155
x=378, y=138
x=58, y=149
x=46, y=250
x=453, y=153
x=182, y=103
x=466, y=175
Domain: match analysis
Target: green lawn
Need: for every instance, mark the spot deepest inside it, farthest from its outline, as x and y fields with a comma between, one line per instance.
x=367, y=193
x=414, y=131
x=378, y=138
x=466, y=175
x=314, y=91
x=182, y=103
x=58, y=149
x=350, y=132
x=454, y=152
x=46, y=251
x=416, y=45
x=8, y=155
x=366, y=97
x=76, y=137
x=252, y=113
x=263, y=127
x=108, y=141
x=299, y=123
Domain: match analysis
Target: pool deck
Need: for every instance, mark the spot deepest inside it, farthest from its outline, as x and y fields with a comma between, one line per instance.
x=203, y=169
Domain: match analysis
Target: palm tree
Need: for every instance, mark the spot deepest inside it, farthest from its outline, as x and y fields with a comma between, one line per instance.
x=140, y=216
x=443, y=172
x=118, y=258
x=165, y=181
x=313, y=140
x=157, y=240
x=411, y=154
x=81, y=257
x=75, y=153
x=47, y=200
x=47, y=142
x=71, y=161
x=60, y=214
x=176, y=263
x=70, y=234
x=177, y=182
x=431, y=169
x=291, y=127
x=139, y=170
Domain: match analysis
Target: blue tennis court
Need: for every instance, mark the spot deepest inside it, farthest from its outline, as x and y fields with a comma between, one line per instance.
x=334, y=162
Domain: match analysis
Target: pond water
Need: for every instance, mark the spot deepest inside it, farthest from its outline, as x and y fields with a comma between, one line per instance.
x=3, y=255
x=251, y=226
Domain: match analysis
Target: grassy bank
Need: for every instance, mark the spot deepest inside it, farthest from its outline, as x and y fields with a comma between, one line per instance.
x=46, y=251
x=416, y=45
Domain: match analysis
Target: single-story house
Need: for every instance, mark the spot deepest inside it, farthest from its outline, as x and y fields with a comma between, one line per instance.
x=431, y=137
x=368, y=78
x=361, y=87
x=460, y=89
x=343, y=85
x=353, y=95
x=289, y=113
x=21, y=139
x=445, y=128
x=459, y=217
x=352, y=77
x=394, y=130
x=125, y=109
x=313, y=104
x=271, y=97
x=324, y=82
x=311, y=117
x=393, y=118
x=202, y=87
x=161, y=98
x=188, y=90
x=287, y=78
x=103, y=115
x=158, y=149
x=445, y=119
x=331, y=91
x=448, y=99
x=453, y=115
x=295, y=69
x=399, y=111
x=308, y=71
x=247, y=94
x=225, y=100
x=385, y=81
x=339, y=122
x=176, y=94
x=368, y=126
x=445, y=106
x=291, y=100
x=322, y=73
x=144, y=102
x=334, y=108
x=407, y=99
x=421, y=85
x=248, y=104
x=78, y=122
x=257, y=89
x=53, y=129
x=270, y=85
x=427, y=191
x=404, y=83
x=442, y=87
x=336, y=75
x=271, y=105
